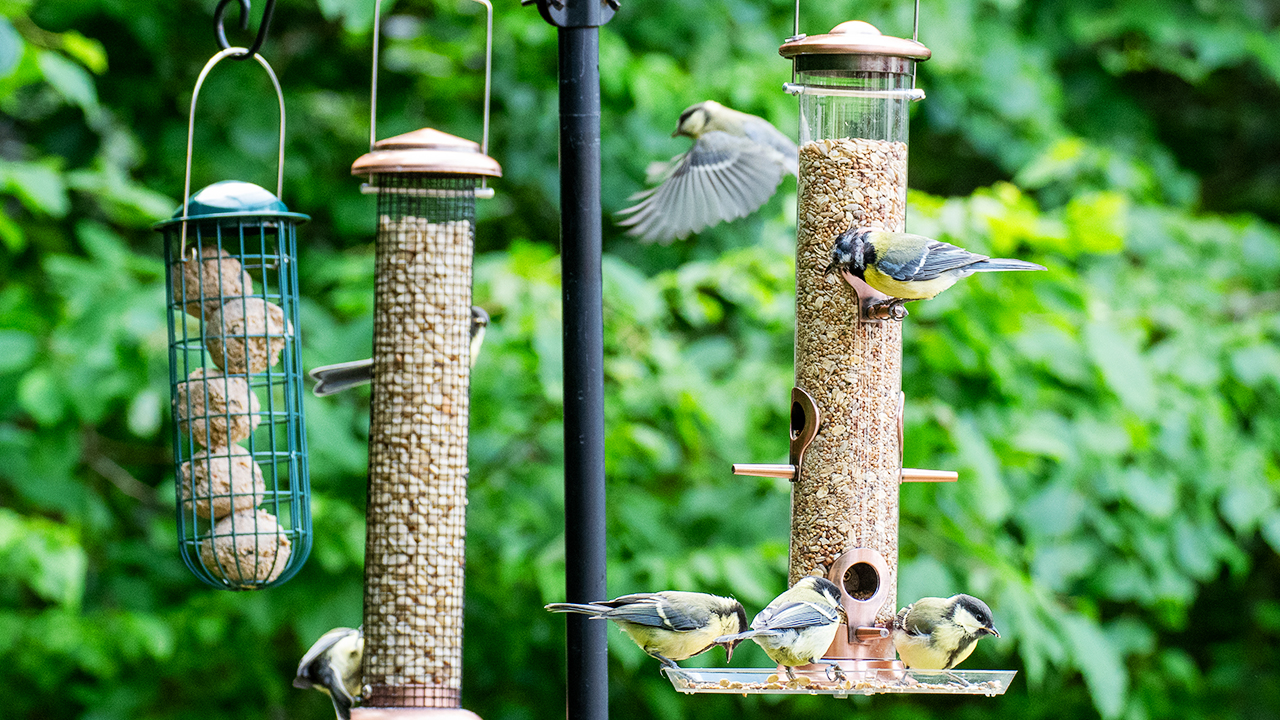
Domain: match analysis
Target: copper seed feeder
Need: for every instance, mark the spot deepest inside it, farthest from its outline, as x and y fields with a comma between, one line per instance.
x=854, y=86
x=427, y=183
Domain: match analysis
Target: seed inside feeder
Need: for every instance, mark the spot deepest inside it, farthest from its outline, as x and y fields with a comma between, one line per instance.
x=208, y=277
x=216, y=410
x=246, y=335
x=247, y=548
x=229, y=481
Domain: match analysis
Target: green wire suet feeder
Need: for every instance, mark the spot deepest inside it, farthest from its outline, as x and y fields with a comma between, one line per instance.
x=235, y=374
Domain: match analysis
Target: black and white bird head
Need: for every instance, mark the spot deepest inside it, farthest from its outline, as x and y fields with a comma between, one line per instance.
x=973, y=616
x=695, y=118
x=853, y=251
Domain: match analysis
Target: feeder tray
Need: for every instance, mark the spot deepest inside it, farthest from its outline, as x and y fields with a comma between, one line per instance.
x=772, y=681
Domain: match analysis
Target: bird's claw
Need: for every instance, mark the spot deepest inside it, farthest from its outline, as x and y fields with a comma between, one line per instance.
x=835, y=673
x=892, y=309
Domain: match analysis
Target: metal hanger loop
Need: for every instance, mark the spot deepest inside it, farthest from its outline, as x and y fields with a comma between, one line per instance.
x=488, y=73
x=235, y=53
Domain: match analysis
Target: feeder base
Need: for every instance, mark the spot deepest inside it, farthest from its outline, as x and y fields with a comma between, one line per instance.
x=370, y=713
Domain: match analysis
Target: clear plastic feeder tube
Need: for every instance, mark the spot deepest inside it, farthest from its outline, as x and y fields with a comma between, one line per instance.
x=854, y=87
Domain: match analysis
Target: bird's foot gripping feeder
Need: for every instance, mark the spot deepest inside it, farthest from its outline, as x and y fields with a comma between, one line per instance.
x=854, y=86
x=239, y=439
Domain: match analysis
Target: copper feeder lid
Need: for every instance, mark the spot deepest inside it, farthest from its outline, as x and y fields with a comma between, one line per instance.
x=854, y=47
x=426, y=151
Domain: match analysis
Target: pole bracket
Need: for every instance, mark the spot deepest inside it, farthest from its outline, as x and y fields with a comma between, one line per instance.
x=575, y=13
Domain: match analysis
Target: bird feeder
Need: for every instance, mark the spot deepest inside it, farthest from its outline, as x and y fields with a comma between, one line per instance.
x=854, y=86
x=239, y=439
x=427, y=182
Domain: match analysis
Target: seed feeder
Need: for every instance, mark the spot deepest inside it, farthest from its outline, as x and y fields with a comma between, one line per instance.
x=235, y=375
x=854, y=87
x=427, y=182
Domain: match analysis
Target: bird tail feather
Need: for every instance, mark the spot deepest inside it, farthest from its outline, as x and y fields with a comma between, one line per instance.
x=576, y=608
x=1003, y=264
x=332, y=379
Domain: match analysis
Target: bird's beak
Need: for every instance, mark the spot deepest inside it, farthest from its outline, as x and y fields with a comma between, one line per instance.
x=830, y=269
x=675, y=133
x=728, y=650
x=992, y=631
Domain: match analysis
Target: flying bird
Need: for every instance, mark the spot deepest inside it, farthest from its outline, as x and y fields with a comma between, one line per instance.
x=735, y=165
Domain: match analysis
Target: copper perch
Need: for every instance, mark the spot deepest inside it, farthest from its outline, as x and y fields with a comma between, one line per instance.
x=777, y=470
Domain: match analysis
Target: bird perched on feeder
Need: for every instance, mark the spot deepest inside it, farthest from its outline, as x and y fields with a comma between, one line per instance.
x=799, y=625
x=332, y=666
x=939, y=633
x=735, y=165
x=910, y=267
x=331, y=379
x=670, y=625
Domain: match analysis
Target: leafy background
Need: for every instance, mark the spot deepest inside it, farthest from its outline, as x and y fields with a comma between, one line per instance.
x=1114, y=420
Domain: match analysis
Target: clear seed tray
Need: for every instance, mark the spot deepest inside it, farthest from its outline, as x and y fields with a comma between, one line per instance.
x=768, y=681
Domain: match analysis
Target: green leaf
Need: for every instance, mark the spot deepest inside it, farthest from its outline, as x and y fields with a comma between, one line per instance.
x=17, y=348
x=38, y=185
x=1100, y=663
x=69, y=80
x=1116, y=354
x=39, y=395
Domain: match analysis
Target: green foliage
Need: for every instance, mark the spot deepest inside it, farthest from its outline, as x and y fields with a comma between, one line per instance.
x=1116, y=421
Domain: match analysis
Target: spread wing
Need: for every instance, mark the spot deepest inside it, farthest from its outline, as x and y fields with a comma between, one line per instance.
x=795, y=615
x=652, y=610
x=918, y=258
x=722, y=177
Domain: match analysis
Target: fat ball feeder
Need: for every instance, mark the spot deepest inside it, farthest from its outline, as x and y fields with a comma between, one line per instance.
x=235, y=375
x=854, y=86
x=426, y=182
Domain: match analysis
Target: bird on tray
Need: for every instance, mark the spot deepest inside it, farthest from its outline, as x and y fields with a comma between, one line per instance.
x=799, y=625
x=939, y=633
x=669, y=625
x=909, y=267
x=735, y=165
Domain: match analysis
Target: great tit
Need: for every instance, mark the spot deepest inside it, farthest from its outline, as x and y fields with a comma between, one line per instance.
x=939, y=633
x=799, y=625
x=735, y=165
x=910, y=267
x=332, y=665
x=670, y=625
x=332, y=379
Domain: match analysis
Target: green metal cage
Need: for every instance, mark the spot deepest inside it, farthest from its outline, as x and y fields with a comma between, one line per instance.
x=235, y=374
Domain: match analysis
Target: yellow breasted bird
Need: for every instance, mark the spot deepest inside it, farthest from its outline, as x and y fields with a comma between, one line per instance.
x=939, y=633
x=910, y=267
x=735, y=165
x=669, y=625
x=332, y=665
x=799, y=625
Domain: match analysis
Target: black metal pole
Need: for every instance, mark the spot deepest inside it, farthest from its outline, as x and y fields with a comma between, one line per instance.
x=587, y=694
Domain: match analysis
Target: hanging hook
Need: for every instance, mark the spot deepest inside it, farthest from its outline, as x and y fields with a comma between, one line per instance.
x=244, y=25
